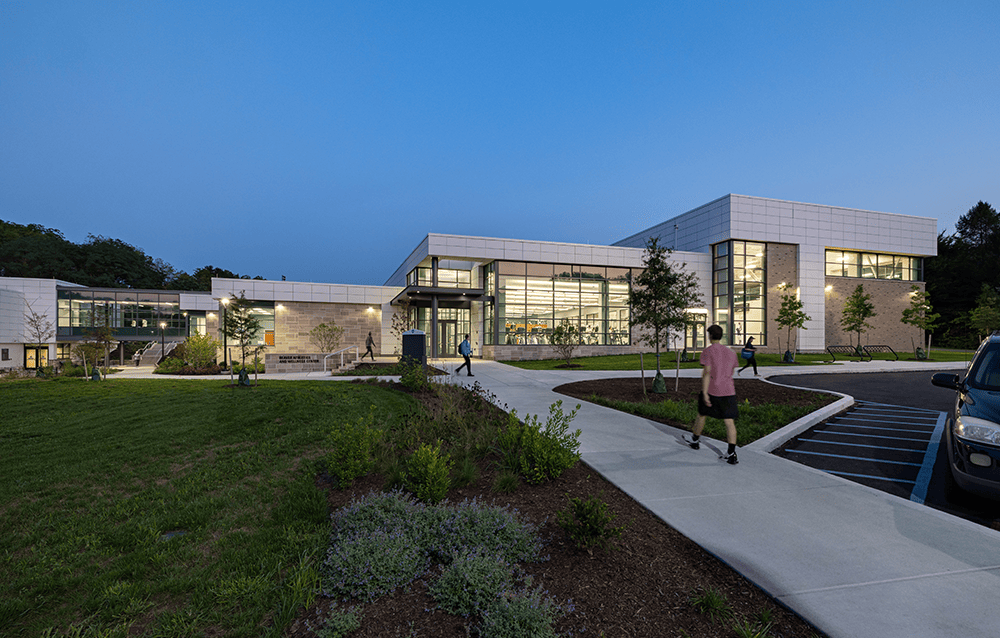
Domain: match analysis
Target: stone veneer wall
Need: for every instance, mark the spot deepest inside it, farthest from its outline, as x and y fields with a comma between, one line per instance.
x=890, y=299
x=782, y=267
x=293, y=321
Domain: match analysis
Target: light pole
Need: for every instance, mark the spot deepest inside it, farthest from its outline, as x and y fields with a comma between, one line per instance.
x=163, y=347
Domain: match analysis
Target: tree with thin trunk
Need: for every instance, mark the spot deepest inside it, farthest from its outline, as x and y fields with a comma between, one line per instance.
x=400, y=321
x=661, y=297
x=39, y=328
x=791, y=315
x=985, y=317
x=326, y=337
x=921, y=315
x=565, y=340
x=241, y=324
x=858, y=309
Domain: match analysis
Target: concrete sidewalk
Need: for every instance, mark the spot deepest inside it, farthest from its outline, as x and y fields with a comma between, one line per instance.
x=851, y=560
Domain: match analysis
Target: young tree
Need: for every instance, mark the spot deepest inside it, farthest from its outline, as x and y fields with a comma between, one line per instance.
x=660, y=297
x=565, y=339
x=400, y=321
x=791, y=315
x=921, y=315
x=241, y=324
x=858, y=309
x=985, y=317
x=326, y=337
x=39, y=328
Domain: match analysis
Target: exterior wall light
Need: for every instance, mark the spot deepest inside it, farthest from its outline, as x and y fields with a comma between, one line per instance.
x=828, y=288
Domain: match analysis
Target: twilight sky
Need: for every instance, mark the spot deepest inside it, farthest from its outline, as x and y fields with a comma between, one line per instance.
x=322, y=140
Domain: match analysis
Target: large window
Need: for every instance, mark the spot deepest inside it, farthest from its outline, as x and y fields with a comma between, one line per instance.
x=129, y=313
x=739, y=282
x=847, y=263
x=447, y=278
x=532, y=299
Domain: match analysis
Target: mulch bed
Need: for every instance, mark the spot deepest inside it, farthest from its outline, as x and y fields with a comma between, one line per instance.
x=641, y=588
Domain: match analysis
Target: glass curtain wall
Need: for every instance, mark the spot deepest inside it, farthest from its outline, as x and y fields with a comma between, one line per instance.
x=129, y=313
x=739, y=283
x=532, y=299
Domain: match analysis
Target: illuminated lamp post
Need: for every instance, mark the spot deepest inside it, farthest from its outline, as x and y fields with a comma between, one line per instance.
x=225, y=345
x=163, y=347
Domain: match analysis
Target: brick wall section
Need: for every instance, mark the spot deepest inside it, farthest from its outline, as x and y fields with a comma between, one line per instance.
x=782, y=267
x=890, y=299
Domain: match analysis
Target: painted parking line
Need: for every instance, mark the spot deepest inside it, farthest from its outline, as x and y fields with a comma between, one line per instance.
x=888, y=447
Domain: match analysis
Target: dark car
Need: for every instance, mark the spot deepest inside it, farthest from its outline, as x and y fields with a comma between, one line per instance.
x=972, y=432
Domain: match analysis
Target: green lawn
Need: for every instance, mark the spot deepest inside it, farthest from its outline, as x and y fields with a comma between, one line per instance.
x=668, y=360
x=165, y=507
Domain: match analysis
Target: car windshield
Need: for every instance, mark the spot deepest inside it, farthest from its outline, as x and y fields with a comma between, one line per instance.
x=985, y=374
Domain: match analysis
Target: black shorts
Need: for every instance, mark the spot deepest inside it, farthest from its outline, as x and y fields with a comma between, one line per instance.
x=721, y=408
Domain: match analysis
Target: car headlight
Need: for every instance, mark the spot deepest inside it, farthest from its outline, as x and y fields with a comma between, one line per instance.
x=978, y=430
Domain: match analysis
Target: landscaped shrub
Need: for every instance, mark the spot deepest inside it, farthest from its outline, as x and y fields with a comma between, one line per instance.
x=540, y=453
x=352, y=447
x=588, y=523
x=427, y=473
x=498, y=530
x=170, y=365
x=417, y=532
x=412, y=375
x=526, y=613
x=338, y=624
x=367, y=565
x=200, y=350
x=472, y=582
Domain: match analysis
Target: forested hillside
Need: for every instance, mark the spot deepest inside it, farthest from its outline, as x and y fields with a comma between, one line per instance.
x=36, y=251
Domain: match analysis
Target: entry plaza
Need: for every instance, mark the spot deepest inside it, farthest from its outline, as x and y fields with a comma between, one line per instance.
x=509, y=294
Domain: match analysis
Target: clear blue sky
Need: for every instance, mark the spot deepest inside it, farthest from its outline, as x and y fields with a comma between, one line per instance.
x=324, y=140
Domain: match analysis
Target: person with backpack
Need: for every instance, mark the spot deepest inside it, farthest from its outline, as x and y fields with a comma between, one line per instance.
x=747, y=353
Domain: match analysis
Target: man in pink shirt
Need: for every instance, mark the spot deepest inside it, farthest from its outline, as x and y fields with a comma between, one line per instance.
x=718, y=393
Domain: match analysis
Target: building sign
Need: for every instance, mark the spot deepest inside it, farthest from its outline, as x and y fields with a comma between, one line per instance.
x=298, y=358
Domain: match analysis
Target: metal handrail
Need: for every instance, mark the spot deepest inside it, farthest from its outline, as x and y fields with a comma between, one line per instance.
x=341, y=353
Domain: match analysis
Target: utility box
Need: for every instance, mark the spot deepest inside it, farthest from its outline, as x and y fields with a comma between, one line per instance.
x=415, y=346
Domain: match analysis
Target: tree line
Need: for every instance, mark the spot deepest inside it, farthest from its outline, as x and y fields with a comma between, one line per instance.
x=964, y=279
x=103, y=262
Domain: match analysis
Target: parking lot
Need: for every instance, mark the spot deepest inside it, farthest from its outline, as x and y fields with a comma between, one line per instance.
x=890, y=440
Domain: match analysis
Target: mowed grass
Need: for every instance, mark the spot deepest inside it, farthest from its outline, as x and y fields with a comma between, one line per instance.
x=668, y=361
x=165, y=508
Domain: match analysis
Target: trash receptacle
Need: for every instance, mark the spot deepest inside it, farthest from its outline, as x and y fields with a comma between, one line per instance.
x=415, y=346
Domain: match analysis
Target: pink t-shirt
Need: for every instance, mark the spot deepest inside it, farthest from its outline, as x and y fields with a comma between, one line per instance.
x=722, y=362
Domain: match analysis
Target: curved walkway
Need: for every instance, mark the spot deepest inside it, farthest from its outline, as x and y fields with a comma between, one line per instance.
x=851, y=560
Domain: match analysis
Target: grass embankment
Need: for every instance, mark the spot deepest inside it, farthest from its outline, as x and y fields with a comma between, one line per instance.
x=668, y=361
x=167, y=508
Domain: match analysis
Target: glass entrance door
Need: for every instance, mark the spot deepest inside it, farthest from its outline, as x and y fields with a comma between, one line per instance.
x=694, y=333
x=448, y=338
x=36, y=358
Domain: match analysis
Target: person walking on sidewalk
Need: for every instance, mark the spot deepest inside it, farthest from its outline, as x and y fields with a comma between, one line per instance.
x=748, y=352
x=717, y=398
x=370, y=345
x=465, y=349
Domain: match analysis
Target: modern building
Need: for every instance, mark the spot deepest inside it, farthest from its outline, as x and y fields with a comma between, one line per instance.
x=509, y=294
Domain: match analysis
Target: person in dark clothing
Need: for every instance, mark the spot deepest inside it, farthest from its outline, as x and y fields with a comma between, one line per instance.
x=370, y=345
x=748, y=353
x=465, y=349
